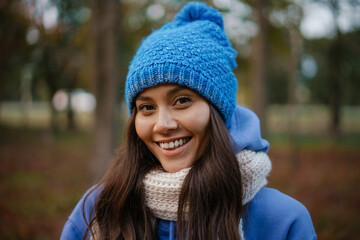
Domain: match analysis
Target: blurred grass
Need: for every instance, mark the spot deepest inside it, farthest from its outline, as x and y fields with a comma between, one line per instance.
x=315, y=142
x=311, y=119
x=38, y=115
x=43, y=175
x=324, y=176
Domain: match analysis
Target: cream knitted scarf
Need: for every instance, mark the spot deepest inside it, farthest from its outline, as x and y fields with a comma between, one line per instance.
x=162, y=189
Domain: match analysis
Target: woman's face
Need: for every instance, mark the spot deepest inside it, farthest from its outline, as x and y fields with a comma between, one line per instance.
x=173, y=123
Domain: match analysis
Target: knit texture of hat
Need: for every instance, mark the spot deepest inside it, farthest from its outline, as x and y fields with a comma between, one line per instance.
x=191, y=51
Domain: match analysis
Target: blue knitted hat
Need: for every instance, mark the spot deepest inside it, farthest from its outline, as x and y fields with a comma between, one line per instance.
x=191, y=51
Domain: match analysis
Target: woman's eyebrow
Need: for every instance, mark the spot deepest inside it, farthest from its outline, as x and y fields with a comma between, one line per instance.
x=175, y=90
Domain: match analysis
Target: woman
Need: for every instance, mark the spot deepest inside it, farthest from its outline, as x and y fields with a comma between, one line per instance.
x=194, y=165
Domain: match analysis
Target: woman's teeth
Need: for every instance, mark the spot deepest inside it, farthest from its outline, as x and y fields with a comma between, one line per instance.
x=174, y=144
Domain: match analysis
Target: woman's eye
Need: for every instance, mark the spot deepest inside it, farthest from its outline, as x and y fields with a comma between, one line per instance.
x=146, y=108
x=183, y=101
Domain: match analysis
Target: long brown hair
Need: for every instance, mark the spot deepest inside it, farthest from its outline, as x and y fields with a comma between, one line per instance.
x=210, y=201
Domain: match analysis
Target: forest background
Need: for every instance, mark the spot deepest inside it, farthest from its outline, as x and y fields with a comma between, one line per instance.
x=63, y=65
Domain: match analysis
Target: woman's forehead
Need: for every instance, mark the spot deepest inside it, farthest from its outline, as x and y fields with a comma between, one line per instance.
x=169, y=88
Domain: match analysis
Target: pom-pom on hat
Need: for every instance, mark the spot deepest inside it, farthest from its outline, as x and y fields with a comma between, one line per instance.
x=191, y=51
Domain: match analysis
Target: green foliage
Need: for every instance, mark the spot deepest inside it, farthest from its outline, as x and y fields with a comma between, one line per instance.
x=15, y=52
x=277, y=84
x=347, y=53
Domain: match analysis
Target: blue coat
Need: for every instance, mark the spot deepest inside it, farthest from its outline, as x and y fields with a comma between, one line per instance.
x=271, y=215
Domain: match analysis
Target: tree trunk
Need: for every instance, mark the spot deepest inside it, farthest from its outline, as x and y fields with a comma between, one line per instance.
x=70, y=113
x=26, y=97
x=335, y=77
x=335, y=86
x=104, y=30
x=259, y=97
x=293, y=125
x=54, y=119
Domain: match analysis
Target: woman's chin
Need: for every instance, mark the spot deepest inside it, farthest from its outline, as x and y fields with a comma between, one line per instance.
x=174, y=168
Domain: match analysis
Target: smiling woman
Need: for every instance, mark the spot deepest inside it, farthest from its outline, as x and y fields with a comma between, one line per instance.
x=173, y=123
x=194, y=165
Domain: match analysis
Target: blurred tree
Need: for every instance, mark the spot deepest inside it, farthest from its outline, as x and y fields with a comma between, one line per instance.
x=296, y=48
x=336, y=83
x=59, y=57
x=286, y=45
x=15, y=51
x=295, y=41
x=260, y=54
x=335, y=78
x=349, y=62
x=36, y=54
x=349, y=68
x=48, y=70
x=277, y=84
x=104, y=36
x=274, y=66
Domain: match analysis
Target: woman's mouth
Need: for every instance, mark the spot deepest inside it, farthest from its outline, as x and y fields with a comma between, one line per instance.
x=174, y=144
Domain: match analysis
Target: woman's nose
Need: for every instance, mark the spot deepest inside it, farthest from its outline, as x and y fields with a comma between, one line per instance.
x=165, y=122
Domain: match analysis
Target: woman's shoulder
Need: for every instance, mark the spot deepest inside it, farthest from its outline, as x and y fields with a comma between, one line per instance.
x=274, y=215
x=278, y=203
x=75, y=227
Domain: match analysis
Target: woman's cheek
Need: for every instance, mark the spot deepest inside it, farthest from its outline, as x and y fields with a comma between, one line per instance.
x=199, y=117
x=141, y=127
